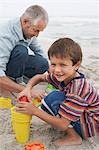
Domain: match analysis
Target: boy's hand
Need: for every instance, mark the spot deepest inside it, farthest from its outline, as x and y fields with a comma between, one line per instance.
x=39, y=94
x=26, y=107
x=22, y=95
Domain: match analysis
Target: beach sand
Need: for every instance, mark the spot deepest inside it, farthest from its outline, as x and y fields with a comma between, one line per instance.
x=39, y=130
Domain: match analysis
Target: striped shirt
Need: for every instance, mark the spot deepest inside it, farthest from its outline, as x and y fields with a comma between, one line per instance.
x=81, y=103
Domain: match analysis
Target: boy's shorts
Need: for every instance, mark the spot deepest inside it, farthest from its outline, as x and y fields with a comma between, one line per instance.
x=51, y=104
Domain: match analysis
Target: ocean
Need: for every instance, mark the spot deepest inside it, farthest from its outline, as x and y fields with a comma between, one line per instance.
x=84, y=30
x=81, y=29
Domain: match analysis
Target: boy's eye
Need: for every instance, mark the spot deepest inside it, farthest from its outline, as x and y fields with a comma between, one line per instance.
x=63, y=65
x=52, y=64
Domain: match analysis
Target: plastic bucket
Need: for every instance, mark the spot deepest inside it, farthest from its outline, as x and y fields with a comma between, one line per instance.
x=5, y=102
x=21, y=125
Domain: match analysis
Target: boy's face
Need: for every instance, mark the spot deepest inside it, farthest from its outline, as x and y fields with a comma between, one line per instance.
x=62, y=68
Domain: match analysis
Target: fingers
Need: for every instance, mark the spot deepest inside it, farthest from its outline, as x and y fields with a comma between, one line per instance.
x=21, y=104
x=41, y=94
x=21, y=107
x=30, y=99
x=25, y=107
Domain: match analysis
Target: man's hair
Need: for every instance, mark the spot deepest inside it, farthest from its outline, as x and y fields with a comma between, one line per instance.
x=35, y=13
x=66, y=48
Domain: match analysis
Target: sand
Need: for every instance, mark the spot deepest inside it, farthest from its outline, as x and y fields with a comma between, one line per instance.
x=39, y=130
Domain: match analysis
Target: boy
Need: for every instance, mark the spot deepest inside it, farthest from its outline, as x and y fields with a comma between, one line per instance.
x=76, y=103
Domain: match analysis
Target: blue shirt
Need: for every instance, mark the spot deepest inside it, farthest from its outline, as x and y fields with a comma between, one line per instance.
x=10, y=35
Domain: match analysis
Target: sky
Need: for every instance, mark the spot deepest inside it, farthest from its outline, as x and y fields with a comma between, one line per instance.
x=83, y=8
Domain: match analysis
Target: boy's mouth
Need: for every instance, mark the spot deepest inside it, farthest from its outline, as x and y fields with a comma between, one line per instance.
x=58, y=75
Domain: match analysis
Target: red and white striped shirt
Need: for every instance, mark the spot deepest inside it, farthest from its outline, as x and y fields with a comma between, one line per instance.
x=81, y=103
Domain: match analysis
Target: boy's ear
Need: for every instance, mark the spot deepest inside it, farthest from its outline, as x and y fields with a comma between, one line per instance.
x=77, y=65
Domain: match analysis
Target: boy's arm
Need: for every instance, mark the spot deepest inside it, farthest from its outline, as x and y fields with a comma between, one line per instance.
x=29, y=91
x=60, y=123
x=36, y=79
x=29, y=108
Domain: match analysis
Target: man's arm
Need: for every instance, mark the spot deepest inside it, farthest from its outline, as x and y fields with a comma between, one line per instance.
x=8, y=84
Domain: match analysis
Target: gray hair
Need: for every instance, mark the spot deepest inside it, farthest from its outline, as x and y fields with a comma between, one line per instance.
x=35, y=13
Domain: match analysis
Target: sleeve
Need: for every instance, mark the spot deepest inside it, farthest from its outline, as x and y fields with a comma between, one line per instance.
x=52, y=80
x=10, y=34
x=34, y=45
x=6, y=47
x=73, y=107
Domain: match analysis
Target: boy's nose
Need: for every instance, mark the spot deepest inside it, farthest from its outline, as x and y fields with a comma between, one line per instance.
x=57, y=69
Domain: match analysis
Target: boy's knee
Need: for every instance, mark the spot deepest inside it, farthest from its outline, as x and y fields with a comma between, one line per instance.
x=56, y=95
x=53, y=101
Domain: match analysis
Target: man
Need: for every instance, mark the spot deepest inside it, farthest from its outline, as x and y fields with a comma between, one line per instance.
x=20, y=52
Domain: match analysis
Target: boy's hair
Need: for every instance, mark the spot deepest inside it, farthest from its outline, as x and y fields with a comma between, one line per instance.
x=64, y=48
x=35, y=13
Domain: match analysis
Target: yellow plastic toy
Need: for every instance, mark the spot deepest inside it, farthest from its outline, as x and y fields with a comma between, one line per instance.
x=37, y=102
x=21, y=126
x=5, y=102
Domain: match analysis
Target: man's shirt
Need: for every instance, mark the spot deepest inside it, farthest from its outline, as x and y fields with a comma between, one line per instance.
x=10, y=35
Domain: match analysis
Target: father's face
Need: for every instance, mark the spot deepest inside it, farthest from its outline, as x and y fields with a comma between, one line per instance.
x=33, y=30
